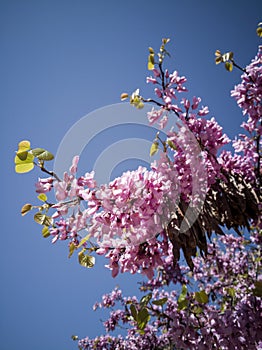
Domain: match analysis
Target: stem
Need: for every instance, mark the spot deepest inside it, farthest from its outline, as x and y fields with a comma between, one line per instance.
x=242, y=70
x=51, y=173
x=162, y=76
x=150, y=100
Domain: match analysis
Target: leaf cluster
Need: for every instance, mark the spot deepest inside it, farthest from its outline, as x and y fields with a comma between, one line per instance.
x=26, y=157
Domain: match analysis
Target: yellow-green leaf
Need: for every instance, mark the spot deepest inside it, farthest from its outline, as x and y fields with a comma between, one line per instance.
x=29, y=159
x=151, y=62
x=22, y=155
x=84, y=240
x=182, y=301
x=24, y=146
x=143, y=317
x=139, y=105
x=26, y=208
x=201, y=297
x=86, y=260
x=218, y=60
x=171, y=144
x=124, y=96
x=72, y=248
x=24, y=168
x=165, y=41
x=45, y=232
x=42, y=154
x=154, y=148
x=151, y=50
x=229, y=66
x=43, y=219
x=24, y=165
x=42, y=197
x=160, y=302
x=133, y=311
x=258, y=289
x=150, y=66
x=145, y=299
x=259, y=32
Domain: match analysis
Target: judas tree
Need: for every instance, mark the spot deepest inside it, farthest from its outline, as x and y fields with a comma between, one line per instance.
x=143, y=220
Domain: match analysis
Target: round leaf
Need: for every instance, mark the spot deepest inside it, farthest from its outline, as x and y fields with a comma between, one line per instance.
x=259, y=32
x=24, y=165
x=145, y=299
x=22, y=155
x=26, y=208
x=154, y=148
x=43, y=219
x=124, y=96
x=86, y=260
x=24, y=146
x=45, y=232
x=42, y=154
x=229, y=66
x=42, y=197
x=133, y=311
x=201, y=297
x=142, y=318
x=160, y=302
x=24, y=168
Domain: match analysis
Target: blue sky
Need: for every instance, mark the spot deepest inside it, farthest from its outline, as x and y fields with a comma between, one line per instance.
x=61, y=60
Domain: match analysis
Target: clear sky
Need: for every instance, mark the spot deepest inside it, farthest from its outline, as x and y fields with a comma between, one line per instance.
x=61, y=60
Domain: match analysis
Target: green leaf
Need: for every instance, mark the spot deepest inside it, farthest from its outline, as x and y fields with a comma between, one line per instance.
x=197, y=310
x=133, y=311
x=218, y=60
x=151, y=50
x=231, y=292
x=42, y=197
x=182, y=304
x=139, y=105
x=171, y=145
x=259, y=32
x=24, y=165
x=145, y=299
x=43, y=219
x=22, y=155
x=151, y=61
x=42, y=154
x=83, y=240
x=201, y=297
x=154, y=148
x=182, y=300
x=142, y=318
x=160, y=302
x=26, y=208
x=258, y=289
x=45, y=232
x=229, y=66
x=165, y=41
x=87, y=261
x=74, y=337
x=72, y=248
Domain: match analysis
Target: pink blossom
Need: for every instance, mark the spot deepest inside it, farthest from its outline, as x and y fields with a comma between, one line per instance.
x=154, y=115
x=73, y=168
x=203, y=111
x=44, y=185
x=196, y=101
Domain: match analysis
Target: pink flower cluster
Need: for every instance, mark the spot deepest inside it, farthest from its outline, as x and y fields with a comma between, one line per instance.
x=248, y=95
x=229, y=317
x=127, y=217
